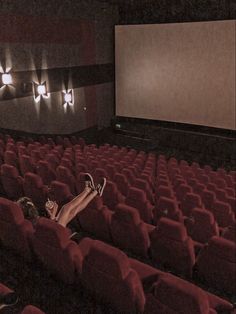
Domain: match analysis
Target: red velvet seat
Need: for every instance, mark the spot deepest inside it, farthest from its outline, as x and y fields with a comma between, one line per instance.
x=107, y=274
x=202, y=226
x=96, y=219
x=208, y=198
x=64, y=175
x=190, y=202
x=10, y=158
x=99, y=173
x=129, y=175
x=223, y=214
x=53, y=247
x=111, y=195
x=122, y=183
x=128, y=230
x=45, y=172
x=15, y=231
x=171, y=294
x=12, y=182
x=35, y=156
x=181, y=191
x=26, y=164
x=137, y=198
x=60, y=192
x=167, y=207
x=229, y=233
x=216, y=264
x=35, y=189
x=143, y=185
x=171, y=246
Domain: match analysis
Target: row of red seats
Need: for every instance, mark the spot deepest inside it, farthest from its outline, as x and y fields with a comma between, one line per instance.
x=126, y=284
x=168, y=244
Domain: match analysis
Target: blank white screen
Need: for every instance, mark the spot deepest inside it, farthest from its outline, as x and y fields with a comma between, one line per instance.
x=182, y=72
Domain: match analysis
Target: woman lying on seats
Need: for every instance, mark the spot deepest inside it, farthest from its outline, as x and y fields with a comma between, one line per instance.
x=69, y=210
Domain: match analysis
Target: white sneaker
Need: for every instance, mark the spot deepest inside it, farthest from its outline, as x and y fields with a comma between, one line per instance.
x=89, y=180
x=100, y=187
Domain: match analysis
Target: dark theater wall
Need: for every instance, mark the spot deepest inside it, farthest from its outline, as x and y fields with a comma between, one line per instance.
x=72, y=41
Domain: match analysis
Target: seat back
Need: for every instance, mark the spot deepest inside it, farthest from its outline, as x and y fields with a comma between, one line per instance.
x=137, y=198
x=11, y=181
x=107, y=274
x=53, y=247
x=216, y=264
x=171, y=246
x=34, y=189
x=15, y=231
x=128, y=231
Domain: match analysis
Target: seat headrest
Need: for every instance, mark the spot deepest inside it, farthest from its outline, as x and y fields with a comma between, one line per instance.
x=9, y=171
x=96, y=203
x=126, y=213
x=193, y=199
x=10, y=211
x=136, y=194
x=52, y=233
x=62, y=170
x=172, y=229
x=33, y=180
x=223, y=248
x=203, y=216
x=108, y=260
x=168, y=204
x=60, y=188
x=222, y=206
x=179, y=294
x=110, y=187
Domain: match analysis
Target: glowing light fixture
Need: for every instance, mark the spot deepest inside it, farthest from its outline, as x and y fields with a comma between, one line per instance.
x=68, y=97
x=40, y=90
x=6, y=79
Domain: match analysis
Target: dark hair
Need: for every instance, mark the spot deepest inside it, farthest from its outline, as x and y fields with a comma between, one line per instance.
x=29, y=209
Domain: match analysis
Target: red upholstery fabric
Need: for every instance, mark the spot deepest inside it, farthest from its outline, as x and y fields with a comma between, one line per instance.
x=168, y=208
x=171, y=246
x=60, y=192
x=45, y=172
x=122, y=183
x=174, y=295
x=10, y=158
x=190, y=202
x=12, y=182
x=202, y=226
x=34, y=189
x=230, y=232
x=128, y=231
x=15, y=231
x=111, y=195
x=223, y=213
x=137, y=198
x=26, y=164
x=53, y=247
x=107, y=274
x=216, y=264
x=96, y=219
x=64, y=175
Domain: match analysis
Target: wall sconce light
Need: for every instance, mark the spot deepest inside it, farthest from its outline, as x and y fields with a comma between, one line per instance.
x=40, y=90
x=6, y=79
x=68, y=97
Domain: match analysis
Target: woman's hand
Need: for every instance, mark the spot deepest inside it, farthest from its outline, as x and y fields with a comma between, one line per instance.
x=51, y=208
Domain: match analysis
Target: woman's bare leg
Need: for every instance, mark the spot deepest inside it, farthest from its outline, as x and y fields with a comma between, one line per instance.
x=67, y=215
x=75, y=202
